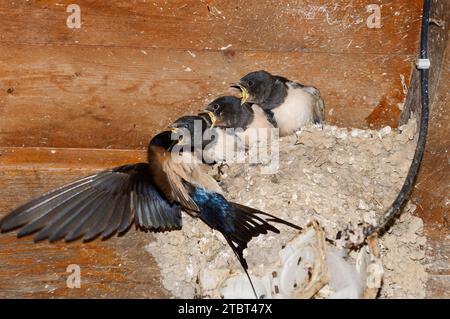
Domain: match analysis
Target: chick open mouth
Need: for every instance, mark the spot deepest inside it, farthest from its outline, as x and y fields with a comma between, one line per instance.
x=244, y=92
x=212, y=117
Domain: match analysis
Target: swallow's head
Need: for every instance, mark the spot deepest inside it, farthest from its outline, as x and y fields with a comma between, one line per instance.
x=164, y=140
x=255, y=86
x=226, y=110
x=187, y=128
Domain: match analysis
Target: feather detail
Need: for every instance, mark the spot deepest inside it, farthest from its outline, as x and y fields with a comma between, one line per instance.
x=100, y=204
x=344, y=278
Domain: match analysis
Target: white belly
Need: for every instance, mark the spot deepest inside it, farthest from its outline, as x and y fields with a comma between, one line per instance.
x=295, y=112
x=226, y=148
x=259, y=130
x=258, y=137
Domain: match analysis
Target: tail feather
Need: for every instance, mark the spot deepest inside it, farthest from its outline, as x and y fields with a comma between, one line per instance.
x=249, y=224
x=319, y=105
x=237, y=223
x=252, y=214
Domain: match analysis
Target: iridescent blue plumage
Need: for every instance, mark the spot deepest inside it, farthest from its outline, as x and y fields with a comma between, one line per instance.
x=215, y=210
x=237, y=223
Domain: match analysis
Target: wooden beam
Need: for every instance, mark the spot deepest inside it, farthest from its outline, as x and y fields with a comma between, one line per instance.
x=135, y=66
x=248, y=25
x=86, y=97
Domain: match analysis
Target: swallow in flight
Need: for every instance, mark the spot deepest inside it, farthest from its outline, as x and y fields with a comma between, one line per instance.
x=151, y=195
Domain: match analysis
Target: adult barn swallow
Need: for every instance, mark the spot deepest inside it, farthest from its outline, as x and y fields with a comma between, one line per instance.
x=150, y=194
x=291, y=104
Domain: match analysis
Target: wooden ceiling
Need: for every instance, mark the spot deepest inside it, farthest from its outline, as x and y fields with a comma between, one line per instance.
x=135, y=66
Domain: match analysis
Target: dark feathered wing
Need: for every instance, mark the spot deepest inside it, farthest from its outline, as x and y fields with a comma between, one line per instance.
x=249, y=223
x=100, y=204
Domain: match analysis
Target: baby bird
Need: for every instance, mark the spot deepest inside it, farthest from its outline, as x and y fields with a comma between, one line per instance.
x=289, y=104
x=209, y=143
x=250, y=124
x=247, y=118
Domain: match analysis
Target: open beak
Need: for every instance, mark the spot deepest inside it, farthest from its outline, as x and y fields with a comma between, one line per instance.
x=243, y=90
x=173, y=128
x=212, y=117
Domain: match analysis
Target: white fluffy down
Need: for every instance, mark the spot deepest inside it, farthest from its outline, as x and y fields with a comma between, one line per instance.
x=344, y=278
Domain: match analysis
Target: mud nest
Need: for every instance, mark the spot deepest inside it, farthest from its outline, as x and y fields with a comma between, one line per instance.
x=336, y=176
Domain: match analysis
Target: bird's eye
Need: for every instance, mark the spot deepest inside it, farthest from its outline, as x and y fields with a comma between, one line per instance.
x=216, y=107
x=250, y=83
x=186, y=126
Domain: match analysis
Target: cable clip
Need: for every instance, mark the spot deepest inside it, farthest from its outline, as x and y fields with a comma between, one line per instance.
x=423, y=64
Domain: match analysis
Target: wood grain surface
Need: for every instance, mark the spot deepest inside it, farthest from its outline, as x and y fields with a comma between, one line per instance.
x=432, y=189
x=76, y=101
x=119, y=98
x=337, y=26
x=118, y=267
x=135, y=66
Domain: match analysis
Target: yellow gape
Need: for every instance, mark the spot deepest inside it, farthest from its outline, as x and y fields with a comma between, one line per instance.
x=212, y=117
x=244, y=94
x=176, y=130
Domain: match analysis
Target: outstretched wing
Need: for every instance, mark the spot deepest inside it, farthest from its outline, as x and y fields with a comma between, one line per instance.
x=100, y=204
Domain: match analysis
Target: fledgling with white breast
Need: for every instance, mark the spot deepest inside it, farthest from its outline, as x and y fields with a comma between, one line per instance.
x=209, y=144
x=249, y=122
x=289, y=105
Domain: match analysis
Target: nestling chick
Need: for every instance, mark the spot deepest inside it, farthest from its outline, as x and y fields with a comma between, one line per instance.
x=290, y=104
x=250, y=124
x=213, y=145
x=247, y=119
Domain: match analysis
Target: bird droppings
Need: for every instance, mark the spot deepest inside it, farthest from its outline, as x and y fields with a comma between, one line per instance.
x=336, y=176
x=226, y=47
x=192, y=54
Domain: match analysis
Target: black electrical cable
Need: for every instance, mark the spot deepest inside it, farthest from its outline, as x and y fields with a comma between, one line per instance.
x=402, y=197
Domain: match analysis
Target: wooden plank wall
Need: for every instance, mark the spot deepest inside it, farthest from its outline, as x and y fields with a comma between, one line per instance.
x=432, y=189
x=73, y=101
x=119, y=267
x=134, y=66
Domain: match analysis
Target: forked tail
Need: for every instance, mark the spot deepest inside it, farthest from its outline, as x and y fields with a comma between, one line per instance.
x=250, y=223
